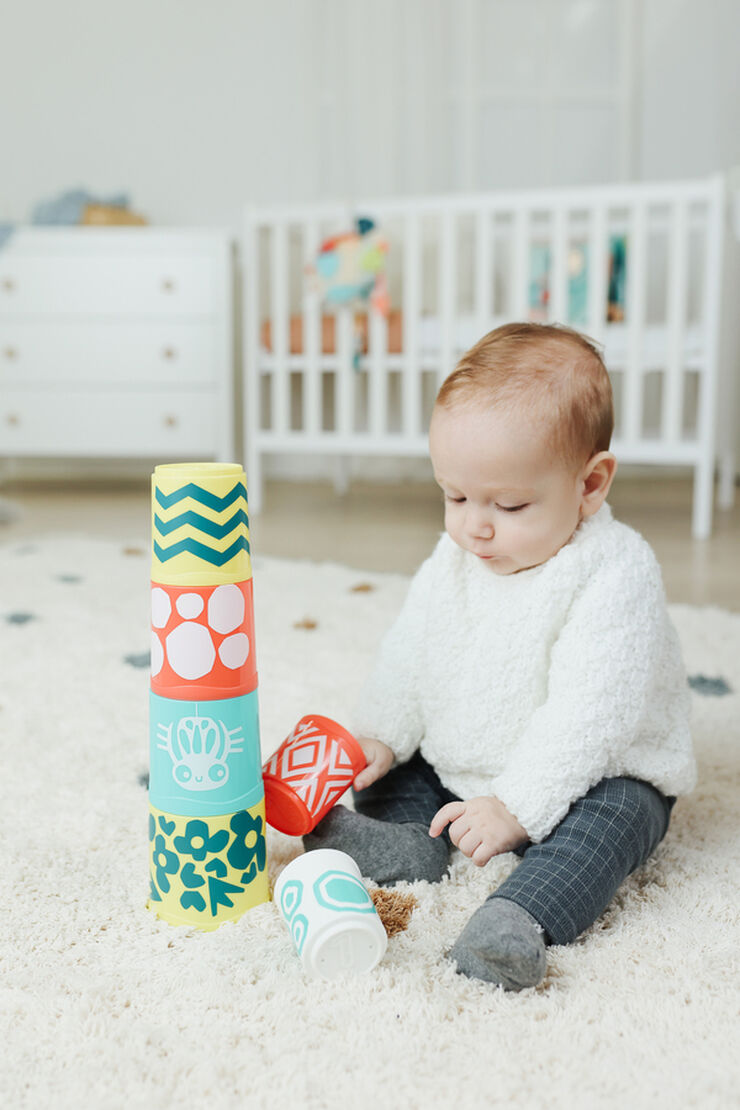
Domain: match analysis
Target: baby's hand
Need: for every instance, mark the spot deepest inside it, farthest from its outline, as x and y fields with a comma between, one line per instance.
x=481, y=828
x=379, y=761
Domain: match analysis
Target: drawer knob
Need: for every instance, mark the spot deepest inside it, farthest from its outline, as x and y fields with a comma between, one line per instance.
x=169, y=353
x=170, y=421
x=10, y=353
x=13, y=419
x=168, y=285
x=8, y=285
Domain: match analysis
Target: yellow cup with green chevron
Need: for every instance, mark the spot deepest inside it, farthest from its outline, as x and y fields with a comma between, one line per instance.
x=207, y=870
x=200, y=524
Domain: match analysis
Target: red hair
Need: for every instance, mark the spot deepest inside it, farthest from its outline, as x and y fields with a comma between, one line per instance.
x=555, y=371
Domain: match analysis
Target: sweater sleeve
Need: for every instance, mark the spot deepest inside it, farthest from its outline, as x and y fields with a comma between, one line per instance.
x=389, y=705
x=610, y=661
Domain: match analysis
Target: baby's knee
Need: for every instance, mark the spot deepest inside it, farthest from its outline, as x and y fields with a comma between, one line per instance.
x=633, y=815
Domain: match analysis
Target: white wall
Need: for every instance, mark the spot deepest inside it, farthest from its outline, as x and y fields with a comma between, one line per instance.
x=690, y=97
x=189, y=105
x=195, y=107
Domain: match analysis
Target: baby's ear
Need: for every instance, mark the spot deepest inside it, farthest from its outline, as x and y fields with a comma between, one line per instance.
x=597, y=478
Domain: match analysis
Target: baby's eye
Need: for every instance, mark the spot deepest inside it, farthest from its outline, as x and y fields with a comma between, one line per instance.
x=457, y=500
x=513, y=508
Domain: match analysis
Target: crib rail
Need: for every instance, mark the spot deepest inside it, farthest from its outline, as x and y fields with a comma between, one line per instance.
x=461, y=265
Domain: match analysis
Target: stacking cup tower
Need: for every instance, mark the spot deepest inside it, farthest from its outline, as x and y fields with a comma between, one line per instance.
x=208, y=861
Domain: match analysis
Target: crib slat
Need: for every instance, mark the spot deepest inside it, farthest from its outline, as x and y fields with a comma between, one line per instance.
x=411, y=393
x=483, y=253
x=447, y=283
x=378, y=361
x=672, y=411
x=558, y=307
x=635, y=322
x=280, y=323
x=312, y=339
x=520, y=266
x=344, y=379
x=701, y=517
x=251, y=363
x=597, y=274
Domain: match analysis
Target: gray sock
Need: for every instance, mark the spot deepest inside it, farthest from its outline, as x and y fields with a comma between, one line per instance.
x=502, y=943
x=384, y=851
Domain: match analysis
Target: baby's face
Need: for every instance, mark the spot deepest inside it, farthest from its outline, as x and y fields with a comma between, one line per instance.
x=508, y=500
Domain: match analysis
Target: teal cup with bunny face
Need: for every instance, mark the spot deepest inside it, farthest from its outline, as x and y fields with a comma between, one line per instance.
x=331, y=917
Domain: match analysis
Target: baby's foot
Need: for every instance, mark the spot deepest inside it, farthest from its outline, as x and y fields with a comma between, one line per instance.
x=502, y=943
x=384, y=851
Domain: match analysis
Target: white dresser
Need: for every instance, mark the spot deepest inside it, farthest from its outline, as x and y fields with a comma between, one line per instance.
x=116, y=342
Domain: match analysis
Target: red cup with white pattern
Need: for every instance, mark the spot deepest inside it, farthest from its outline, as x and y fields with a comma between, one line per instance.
x=308, y=774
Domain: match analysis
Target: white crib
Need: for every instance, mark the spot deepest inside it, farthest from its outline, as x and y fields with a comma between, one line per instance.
x=461, y=265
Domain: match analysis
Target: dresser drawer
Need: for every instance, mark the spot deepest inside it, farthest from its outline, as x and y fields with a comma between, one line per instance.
x=62, y=352
x=157, y=424
x=80, y=284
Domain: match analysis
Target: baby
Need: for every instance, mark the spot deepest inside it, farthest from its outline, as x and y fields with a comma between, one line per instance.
x=530, y=696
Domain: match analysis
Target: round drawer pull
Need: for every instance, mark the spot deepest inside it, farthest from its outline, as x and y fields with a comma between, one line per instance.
x=10, y=352
x=169, y=353
x=170, y=421
x=168, y=285
x=13, y=419
x=8, y=285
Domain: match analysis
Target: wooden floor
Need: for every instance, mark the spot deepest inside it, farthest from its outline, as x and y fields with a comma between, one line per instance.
x=389, y=527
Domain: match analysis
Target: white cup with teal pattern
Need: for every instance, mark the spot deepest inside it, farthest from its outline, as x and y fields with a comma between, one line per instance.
x=331, y=917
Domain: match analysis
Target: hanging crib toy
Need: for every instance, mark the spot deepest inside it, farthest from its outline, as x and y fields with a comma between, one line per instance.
x=349, y=270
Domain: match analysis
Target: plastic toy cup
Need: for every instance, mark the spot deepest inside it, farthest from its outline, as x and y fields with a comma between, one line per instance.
x=308, y=773
x=332, y=919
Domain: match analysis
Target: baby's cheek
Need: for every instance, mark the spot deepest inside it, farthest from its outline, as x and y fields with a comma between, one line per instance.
x=539, y=533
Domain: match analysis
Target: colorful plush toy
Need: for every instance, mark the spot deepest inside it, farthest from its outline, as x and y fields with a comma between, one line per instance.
x=350, y=270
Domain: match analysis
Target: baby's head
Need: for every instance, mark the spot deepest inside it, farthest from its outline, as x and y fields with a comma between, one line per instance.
x=519, y=441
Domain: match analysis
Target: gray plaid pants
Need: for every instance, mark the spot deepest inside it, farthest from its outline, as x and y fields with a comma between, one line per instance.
x=568, y=879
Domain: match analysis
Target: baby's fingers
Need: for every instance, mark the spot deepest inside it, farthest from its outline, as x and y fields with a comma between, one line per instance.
x=482, y=854
x=443, y=817
x=366, y=776
x=369, y=774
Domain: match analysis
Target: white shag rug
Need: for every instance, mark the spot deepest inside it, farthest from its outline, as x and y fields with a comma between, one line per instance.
x=102, y=1005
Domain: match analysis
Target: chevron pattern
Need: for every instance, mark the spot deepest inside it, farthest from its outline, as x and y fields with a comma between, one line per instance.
x=194, y=529
x=201, y=551
x=202, y=523
x=205, y=497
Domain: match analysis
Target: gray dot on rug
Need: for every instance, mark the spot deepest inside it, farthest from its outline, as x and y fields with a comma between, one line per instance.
x=709, y=687
x=19, y=618
x=143, y=779
x=73, y=578
x=138, y=659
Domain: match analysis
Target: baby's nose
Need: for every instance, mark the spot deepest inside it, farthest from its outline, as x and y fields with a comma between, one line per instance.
x=481, y=524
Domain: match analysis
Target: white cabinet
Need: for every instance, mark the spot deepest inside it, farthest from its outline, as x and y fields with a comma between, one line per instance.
x=116, y=342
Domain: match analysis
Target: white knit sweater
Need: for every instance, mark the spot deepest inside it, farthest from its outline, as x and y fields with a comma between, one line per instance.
x=534, y=686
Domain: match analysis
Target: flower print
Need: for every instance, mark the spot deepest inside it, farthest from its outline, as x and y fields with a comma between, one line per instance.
x=198, y=843
x=166, y=863
x=191, y=900
x=190, y=877
x=248, y=851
